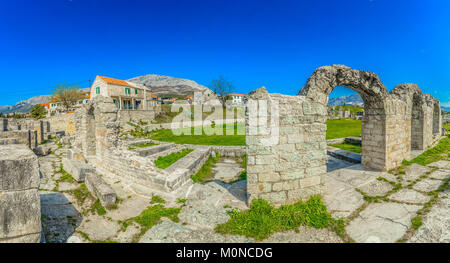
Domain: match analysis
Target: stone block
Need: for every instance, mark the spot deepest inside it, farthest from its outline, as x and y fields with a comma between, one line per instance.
x=77, y=169
x=19, y=168
x=101, y=189
x=20, y=214
x=42, y=150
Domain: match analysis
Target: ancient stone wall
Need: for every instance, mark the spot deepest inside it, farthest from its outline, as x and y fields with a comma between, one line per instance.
x=136, y=115
x=62, y=122
x=20, y=212
x=292, y=165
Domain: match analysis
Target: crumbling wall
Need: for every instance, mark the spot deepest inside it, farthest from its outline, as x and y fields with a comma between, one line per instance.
x=136, y=115
x=20, y=212
x=292, y=165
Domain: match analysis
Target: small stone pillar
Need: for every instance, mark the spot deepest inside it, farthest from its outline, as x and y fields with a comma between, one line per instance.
x=20, y=207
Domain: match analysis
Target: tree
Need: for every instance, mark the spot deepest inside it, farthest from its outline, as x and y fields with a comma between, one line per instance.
x=67, y=95
x=38, y=112
x=222, y=87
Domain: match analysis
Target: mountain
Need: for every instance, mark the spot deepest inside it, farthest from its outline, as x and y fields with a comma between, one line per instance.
x=24, y=105
x=169, y=86
x=446, y=109
x=354, y=99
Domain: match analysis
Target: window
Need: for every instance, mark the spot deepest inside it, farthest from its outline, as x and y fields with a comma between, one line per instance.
x=127, y=91
x=97, y=90
x=53, y=104
x=135, y=91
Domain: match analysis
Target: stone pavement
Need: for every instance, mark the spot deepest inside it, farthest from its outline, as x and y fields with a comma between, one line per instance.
x=373, y=205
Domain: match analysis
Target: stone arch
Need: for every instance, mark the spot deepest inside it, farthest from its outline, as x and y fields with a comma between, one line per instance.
x=374, y=94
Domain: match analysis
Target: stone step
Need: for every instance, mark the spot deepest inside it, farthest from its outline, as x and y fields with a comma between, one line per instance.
x=344, y=155
x=190, y=163
x=155, y=149
x=77, y=169
x=101, y=189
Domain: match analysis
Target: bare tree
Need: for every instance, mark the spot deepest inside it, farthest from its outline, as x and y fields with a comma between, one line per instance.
x=67, y=95
x=221, y=87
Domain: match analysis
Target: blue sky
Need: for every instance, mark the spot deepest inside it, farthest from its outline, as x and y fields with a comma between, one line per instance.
x=276, y=44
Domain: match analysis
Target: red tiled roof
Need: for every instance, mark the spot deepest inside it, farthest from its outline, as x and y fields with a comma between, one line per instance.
x=239, y=94
x=115, y=81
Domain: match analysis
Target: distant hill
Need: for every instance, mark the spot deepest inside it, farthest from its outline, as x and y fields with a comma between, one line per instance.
x=446, y=109
x=354, y=99
x=24, y=105
x=169, y=86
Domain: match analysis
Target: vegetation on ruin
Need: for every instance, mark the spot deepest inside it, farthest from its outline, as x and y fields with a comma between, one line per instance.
x=262, y=219
x=343, y=128
x=97, y=207
x=205, y=172
x=356, y=148
x=188, y=137
x=165, y=161
x=157, y=200
x=439, y=152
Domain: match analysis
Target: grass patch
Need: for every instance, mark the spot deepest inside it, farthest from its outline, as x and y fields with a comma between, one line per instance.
x=416, y=222
x=157, y=200
x=439, y=152
x=97, y=207
x=343, y=128
x=167, y=135
x=165, y=161
x=356, y=148
x=261, y=220
x=81, y=193
x=205, y=172
x=447, y=127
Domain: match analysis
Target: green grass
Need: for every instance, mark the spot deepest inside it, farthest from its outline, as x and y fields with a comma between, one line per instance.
x=145, y=145
x=439, y=152
x=416, y=222
x=261, y=220
x=97, y=207
x=165, y=161
x=343, y=128
x=447, y=127
x=157, y=200
x=167, y=135
x=205, y=172
x=356, y=148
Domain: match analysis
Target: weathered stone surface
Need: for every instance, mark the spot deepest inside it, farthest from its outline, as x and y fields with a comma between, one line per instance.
x=435, y=225
x=382, y=222
x=441, y=175
x=376, y=188
x=427, y=185
x=77, y=169
x=42, y=150
x=441, y=164
x=410, y=196
x=20, y=212
x=18, y=168
x=227, y=170
x=101, y=189
x=414, y=171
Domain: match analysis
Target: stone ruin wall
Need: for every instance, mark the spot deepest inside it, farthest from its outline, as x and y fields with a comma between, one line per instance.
x=97, y=138
x=20, y=210
x=295, y=167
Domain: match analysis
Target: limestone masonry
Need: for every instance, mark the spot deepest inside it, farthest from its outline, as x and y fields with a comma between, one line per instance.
x=295, y=166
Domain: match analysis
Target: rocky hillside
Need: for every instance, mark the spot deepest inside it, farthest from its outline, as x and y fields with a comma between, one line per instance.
x=169, y=86
x=354, y=99
x=25, y=105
